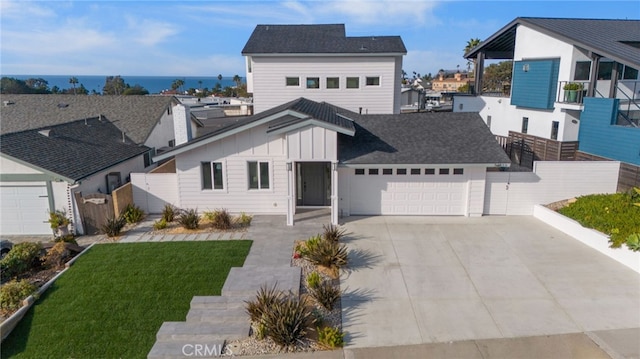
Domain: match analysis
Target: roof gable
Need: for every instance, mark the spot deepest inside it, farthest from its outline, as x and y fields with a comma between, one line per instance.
x=609, y=38
x=135, y=115
x=421, y=138
x=73, y=150
x=317, y=39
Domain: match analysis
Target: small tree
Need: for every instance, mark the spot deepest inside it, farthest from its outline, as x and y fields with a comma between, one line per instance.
x=73, y=81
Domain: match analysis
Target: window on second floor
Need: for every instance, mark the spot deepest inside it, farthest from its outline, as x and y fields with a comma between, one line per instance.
x=353, y=82
x=373, y=81
x=582, y=71
x=313, y=82
x=293, y=81
x=333, y=82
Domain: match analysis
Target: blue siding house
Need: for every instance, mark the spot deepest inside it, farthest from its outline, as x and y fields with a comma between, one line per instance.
x=535, y=83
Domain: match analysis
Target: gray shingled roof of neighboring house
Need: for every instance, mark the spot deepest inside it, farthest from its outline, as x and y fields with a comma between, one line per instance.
x=421, y=138
x=317, y=39
x=615, y=39
x=73, y=150
x=135, y=115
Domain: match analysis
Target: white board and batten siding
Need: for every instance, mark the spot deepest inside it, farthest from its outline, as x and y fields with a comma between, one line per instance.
x=270, y=90
x=312, y=143
x=515, y=193
x=234, y=153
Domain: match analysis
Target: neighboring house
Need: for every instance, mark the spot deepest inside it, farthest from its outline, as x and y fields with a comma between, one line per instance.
x=319, y=62
x=309, y=154
x=53, y=146
x=450, y=82
x=599, y=59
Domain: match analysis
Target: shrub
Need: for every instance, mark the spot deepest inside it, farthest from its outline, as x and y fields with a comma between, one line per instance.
x=189, y=219
x=308, y=246
x=21, y=258
x=160, y=224
x=265, y=298
x=332, y=233
x=314, y=280
x=69, y=238
x=222, y=219
x=633, y=242
x=169, y=212
x=13, y=293
x=133, y=214
x=286, y=321
x=244, y=220
x=113, y=226
x=331, y=337
x=611, y=214
x=326, y=253
x=326, y=295
x=56, y=256
x=58, y=219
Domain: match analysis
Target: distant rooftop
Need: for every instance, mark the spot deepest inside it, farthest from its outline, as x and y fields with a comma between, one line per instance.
x=317, y=39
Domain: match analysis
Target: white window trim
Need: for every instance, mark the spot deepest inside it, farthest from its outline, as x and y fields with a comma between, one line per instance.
x=224, y=188
x=306, y=79
x=379, y=81
x=270, y=189
x=332, y=77
x=291, y=86
x=346, y=86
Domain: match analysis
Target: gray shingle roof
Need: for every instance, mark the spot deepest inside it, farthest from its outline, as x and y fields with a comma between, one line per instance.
x=73, y=150
x=135, y=115
x=317, y=39
x=421, y=138
x=615, y=39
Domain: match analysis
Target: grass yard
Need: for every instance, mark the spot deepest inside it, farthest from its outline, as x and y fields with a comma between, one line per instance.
x=113, y=300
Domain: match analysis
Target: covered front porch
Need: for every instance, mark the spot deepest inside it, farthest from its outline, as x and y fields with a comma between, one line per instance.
x=312, y=190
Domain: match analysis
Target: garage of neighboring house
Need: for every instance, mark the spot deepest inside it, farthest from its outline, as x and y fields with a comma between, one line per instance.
x=24, y=209
x=414, y=190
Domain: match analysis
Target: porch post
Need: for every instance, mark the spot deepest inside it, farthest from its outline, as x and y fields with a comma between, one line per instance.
x=593, y=75
x=334, y=193
x=290, y=194
x=478, y=72
x=614, y=80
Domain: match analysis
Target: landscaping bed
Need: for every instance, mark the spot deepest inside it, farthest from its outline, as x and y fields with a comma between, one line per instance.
x=112, y=302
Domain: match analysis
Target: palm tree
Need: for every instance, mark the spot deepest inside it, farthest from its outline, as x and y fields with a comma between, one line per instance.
x=200, y=84
x=219, y=77
x=237, y=80
x=73, y=81
x=177, y=84
x=470, y=45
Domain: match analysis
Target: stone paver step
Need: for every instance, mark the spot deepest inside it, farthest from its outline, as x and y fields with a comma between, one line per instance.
x=179, y=349
x=219, y=316
x=219, y=302
x=246, y=281
x=202, y=331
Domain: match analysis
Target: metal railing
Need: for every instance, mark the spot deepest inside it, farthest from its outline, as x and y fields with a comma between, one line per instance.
x=572, y=92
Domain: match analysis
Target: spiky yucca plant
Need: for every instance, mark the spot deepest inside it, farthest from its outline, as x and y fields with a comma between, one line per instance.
x=326, y=295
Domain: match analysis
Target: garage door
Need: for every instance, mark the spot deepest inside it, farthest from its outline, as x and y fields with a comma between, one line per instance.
x=410, y=191
x=24, y=210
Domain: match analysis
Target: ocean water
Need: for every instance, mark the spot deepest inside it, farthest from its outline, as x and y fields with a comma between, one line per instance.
x=154, y=84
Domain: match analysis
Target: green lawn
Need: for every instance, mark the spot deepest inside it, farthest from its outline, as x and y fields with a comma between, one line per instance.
x=113, y=300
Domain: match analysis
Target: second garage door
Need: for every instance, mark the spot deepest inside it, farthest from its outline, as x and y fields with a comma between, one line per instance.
x=410, y=191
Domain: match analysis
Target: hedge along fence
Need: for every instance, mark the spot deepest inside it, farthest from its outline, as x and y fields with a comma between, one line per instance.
x=122, y=197
x=588, y=236
x=10, y=323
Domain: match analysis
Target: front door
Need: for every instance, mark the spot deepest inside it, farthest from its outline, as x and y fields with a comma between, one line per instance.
x=314, y=183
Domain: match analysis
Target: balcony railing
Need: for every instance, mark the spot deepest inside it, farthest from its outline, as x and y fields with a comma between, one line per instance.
x=572, y=92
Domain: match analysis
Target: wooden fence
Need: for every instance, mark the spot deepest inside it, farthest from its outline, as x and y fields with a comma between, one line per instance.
x=523, y=149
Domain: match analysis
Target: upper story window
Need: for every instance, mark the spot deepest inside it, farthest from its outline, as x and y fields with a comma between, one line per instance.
x=525, y=124
x=333, y=82
x=353, y=82
x=258, y=175
x=293, y=81
x=148, y=160
x=554, y=129
x=212, y=177
x=630, y=73
x=583, y=68
x=373, y=81
x=313, y=82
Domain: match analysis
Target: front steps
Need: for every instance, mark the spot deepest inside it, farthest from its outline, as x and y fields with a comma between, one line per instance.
x=213, y=320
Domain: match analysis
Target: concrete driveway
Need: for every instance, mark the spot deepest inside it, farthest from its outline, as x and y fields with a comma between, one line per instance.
x=416, y=280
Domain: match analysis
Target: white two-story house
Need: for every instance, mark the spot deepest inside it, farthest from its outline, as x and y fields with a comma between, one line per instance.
x=565, y=72
x=321, y=63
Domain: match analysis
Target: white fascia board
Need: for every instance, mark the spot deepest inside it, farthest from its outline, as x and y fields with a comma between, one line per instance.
x=436, y=165
x=193, y=145
x=346, y=54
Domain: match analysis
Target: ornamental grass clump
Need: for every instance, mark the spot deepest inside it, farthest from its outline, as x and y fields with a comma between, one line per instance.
x=332, y=232
x=169, y=213
x=328, y=254
x=113, y=226
x=189, y=219
x=133, y=214
x=286, y=321
x=326, y=295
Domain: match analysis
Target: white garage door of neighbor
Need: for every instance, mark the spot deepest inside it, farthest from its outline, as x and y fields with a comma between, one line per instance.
x=24, y=210
x=418, y=194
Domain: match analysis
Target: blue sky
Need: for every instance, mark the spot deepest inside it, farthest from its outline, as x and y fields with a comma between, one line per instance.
x=205, y=38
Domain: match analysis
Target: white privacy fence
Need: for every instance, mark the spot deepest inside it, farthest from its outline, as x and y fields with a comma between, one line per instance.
x=151, y=191
x=515, y=193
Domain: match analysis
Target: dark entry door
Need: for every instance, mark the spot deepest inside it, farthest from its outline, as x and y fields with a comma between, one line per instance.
x=315, y=183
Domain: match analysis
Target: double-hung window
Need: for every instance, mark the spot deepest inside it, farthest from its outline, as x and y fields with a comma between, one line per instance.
x=258, y=175
x=212, y=177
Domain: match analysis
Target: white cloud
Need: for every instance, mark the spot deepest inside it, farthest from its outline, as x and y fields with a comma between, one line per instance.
x=412, y=13
x=24, y=10
x=56, y=41
x=149, y=32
